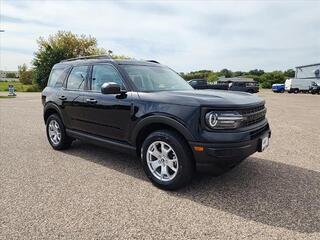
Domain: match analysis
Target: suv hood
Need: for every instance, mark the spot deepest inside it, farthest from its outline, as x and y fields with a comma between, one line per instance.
x=217, y=98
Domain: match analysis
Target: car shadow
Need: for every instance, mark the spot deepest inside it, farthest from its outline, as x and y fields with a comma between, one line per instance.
x=261, y=190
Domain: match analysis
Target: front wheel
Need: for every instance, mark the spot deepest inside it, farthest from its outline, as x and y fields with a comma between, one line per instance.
x=167, y=160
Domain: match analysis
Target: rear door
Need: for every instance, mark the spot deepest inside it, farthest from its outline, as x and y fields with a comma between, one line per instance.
x=107, y=115
x=72, y=97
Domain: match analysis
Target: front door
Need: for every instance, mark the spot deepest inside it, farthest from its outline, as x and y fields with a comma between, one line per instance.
x=107, y=115
x=71, y=97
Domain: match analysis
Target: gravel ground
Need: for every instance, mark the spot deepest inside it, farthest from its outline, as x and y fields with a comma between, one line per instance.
x=88, y=192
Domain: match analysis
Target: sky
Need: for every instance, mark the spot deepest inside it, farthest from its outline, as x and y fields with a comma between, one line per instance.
x=185, y=35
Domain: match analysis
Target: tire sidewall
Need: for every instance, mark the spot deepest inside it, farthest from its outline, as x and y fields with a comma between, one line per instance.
x=64, y=140
x=183, y=155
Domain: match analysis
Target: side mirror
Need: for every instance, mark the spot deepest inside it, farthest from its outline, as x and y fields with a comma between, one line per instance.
x=110, y=88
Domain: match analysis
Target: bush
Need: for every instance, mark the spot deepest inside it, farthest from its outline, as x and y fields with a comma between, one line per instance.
x=267, y=79
x=26, y=77
x=32, y=88
x=19, y=87
x=11, y=75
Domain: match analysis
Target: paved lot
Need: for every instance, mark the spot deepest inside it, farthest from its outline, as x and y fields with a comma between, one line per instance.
x=88, y=192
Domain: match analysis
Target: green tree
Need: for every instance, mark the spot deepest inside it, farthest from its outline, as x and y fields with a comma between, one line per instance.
x=22, y=68
x=267, y=79
x=25, y=76
x=212, y=77
x=238, y=73
x=290, y=73
x=11, y=75
x=256, y=72
x=225, y=72
x=60, y=46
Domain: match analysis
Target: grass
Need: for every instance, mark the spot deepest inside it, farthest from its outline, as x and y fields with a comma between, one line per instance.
x=19, y=87
x=7, y=97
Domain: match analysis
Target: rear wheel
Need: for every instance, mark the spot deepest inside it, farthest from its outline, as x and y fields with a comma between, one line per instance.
x=56, y=133
x=167, y=160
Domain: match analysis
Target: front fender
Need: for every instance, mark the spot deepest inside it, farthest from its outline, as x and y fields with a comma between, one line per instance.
x=161, y=119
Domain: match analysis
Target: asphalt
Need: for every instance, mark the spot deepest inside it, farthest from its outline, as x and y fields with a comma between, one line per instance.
x=88, y=192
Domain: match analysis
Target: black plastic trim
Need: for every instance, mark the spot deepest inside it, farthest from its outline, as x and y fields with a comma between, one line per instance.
x=104, y=142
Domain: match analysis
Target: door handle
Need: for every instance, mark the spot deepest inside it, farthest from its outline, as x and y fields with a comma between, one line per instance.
x=91, y=100
x=63, y=98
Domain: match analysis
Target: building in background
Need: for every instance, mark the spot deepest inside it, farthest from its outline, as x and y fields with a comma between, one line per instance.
x=9, y=75
x=311, y=71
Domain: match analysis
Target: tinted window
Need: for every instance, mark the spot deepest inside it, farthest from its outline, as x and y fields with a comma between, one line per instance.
x=77, y=78
x=57, y=77
x=105, y=73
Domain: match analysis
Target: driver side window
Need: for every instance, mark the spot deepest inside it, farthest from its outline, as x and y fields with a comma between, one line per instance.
x=105, y=73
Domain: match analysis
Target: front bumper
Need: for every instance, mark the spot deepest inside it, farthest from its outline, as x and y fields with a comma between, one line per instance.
x=217, y=156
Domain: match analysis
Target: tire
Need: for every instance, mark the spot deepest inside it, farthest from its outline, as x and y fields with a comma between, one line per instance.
x=296, y=91
x=179, y=158
x=55, y=126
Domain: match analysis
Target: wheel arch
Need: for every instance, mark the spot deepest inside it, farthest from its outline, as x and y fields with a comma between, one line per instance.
x=49, y=109
x=154, y=123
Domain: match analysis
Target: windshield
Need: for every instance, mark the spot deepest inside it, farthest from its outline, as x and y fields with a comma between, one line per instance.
x=155, y=78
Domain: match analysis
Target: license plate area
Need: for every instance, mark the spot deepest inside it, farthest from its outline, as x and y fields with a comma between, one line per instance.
x=263, y=143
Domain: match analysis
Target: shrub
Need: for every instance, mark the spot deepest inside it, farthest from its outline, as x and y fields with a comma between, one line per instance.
x=32, y=88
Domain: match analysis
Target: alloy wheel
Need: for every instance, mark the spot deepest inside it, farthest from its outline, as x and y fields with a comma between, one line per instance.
x=162, y=161
x=54, y=132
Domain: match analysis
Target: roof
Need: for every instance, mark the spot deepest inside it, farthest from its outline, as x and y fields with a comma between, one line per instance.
x=105, y=59
x=309, y=65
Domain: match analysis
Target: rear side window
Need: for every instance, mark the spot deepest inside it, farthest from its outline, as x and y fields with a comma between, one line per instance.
x=57, y=77
x=77, y=78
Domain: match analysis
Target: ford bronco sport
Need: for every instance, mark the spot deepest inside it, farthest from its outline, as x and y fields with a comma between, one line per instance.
x=145, y=108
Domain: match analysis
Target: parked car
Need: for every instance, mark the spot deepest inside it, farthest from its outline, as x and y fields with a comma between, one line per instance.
x=147, y=109
x=228, y=84
x=278, y=87
x=315, y=88
x=296, y=85
x=200, y=84
x=239, y=84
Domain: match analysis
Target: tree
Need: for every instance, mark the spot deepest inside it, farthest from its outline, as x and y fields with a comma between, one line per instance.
x=290, y=73
x=25, y=75
x=256, y=72
x=10, y=75
x=225, y=72
x=267, y=79
x=212, y=77
x=60, y=46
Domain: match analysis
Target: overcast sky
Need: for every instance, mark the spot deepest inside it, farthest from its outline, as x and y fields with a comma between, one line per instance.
x=184, y=35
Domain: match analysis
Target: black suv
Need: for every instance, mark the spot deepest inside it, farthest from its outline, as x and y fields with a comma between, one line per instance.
x=145, y=108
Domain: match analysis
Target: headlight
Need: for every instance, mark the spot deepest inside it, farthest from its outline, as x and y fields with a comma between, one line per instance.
x=223, y=120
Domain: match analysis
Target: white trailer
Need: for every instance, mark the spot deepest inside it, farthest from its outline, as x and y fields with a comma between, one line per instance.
x=297, y=85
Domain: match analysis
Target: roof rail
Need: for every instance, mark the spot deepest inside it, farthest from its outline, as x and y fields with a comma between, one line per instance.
x=105, y=56
x=153, y=61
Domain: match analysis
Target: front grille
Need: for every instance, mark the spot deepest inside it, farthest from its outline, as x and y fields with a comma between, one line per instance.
x=253, y=115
